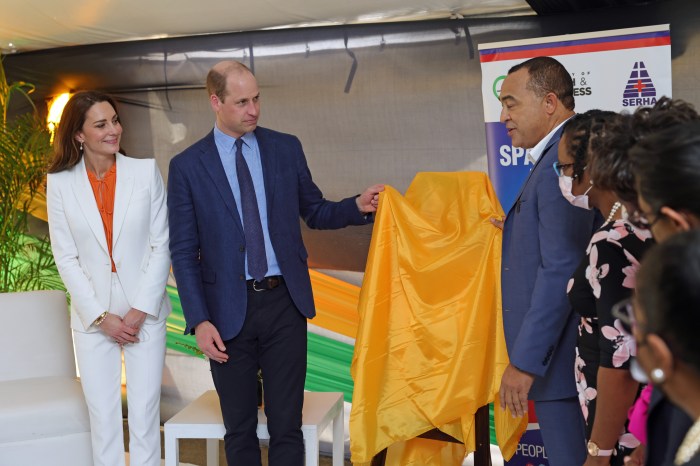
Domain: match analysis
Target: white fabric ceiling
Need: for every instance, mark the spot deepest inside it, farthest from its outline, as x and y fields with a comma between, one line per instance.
x=27, y=25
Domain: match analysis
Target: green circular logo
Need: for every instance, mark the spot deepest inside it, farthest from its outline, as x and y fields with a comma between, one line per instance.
x=496, y=86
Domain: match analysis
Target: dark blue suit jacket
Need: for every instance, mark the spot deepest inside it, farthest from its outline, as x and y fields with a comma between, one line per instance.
x=544, y=239
x=667, y=425
x=206, y=235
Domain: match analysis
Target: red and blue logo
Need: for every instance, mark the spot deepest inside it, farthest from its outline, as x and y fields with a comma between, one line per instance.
x=640, y=88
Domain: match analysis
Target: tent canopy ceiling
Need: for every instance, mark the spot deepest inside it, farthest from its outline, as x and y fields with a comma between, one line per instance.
x=41, y=24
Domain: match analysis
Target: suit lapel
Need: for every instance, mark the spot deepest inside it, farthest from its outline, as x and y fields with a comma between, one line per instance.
x=211, y=163
x=555, y=138
x=85, y=199
x=122, y=196
x=268, y=159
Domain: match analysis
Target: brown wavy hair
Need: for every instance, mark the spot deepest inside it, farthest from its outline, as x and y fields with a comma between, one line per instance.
x=67, y=151
x=666, y=167
x=612, y=167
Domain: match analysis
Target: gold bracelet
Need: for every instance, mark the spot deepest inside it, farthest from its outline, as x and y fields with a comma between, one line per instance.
x=100, y=319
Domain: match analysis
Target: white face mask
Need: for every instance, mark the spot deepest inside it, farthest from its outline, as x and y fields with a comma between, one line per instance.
x=637, y=372
x=565, y=185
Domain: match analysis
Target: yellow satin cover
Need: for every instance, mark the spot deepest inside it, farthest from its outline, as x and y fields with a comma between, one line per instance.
x=430, y=348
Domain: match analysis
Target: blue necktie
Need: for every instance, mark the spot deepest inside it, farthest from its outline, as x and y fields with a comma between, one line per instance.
x=252, y=226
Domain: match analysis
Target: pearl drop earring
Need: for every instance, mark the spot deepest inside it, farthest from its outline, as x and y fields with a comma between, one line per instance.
x=81, y=146
x=657, y=376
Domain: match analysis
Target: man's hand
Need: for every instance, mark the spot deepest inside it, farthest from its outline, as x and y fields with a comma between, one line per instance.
x=515, y=386
x=134, y=319
x=209, y=341
x=497, y=222
x=368, y=201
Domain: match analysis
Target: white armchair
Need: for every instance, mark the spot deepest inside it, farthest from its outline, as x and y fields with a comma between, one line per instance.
x=43, y=415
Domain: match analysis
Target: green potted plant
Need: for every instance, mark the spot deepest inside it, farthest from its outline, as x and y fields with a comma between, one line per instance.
x=26, y=262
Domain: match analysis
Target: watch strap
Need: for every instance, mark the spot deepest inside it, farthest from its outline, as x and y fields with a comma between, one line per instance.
x=595, y=450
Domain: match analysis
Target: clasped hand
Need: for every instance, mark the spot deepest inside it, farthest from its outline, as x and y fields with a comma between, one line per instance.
x=124, y=330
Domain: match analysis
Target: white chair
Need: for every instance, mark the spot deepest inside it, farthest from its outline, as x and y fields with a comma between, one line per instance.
x=43, y=415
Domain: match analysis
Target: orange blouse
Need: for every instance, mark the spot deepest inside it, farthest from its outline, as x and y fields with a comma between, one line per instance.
x=104, y=195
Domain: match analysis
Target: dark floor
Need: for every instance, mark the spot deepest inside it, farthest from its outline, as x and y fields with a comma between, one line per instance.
x=193, y=451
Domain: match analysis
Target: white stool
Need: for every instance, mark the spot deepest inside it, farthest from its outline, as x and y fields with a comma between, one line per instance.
x=202, y=419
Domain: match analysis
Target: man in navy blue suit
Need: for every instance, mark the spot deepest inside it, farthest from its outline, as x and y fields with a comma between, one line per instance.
x=544, y=239
x=235, y=198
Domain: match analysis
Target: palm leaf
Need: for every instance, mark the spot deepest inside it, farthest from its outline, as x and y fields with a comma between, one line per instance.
x=26, y=262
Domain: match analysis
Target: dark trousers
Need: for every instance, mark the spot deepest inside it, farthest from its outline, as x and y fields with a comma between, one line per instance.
x=273, y=338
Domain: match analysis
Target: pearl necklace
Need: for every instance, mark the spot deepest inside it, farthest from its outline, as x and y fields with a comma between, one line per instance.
x=613, y=211
x=690, y=446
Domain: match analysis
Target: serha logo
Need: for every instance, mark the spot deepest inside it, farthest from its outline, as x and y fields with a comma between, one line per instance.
x=640, y=89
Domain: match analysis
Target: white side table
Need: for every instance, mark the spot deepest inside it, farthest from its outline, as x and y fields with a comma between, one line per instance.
x=202, y=419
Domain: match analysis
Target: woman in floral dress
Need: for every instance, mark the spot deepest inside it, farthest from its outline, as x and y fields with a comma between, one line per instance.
x=604, y=277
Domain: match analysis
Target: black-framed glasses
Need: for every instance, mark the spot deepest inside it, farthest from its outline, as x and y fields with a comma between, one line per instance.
x=624, y=311
x=639, y=219
x=560, y=167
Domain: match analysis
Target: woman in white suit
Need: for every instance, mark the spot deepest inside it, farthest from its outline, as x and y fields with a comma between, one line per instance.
x=109, y=235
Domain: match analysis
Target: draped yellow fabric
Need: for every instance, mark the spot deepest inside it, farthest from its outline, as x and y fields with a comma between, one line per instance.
x=430, y=348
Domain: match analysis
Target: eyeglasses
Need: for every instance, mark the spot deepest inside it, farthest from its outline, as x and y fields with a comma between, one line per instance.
x=639, y=220
x=624, y=311
x=560, y=167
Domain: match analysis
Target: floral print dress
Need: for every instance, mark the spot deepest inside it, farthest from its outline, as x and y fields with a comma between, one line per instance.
x=605, y=276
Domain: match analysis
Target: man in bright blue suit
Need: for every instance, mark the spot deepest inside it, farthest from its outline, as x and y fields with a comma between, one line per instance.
x=235, y=198
x=544, y=239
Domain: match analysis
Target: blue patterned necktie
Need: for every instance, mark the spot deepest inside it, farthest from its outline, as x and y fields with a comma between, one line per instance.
x=252, y=226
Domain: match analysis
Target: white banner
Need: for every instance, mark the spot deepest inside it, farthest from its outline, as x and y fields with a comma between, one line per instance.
x=612, y=70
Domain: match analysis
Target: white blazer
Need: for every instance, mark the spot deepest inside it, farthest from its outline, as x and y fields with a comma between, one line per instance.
x=139, y=240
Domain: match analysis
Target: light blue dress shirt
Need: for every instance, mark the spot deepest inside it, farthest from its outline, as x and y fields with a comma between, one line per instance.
x=226, y=146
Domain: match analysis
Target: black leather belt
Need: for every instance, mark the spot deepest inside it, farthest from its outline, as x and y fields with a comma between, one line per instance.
x=266, y=284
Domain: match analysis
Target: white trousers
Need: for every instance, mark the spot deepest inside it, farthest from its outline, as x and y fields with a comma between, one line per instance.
x=99, y=361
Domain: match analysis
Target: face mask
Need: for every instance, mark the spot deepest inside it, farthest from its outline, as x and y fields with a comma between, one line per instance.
x=637, y=372
x=565, y=184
